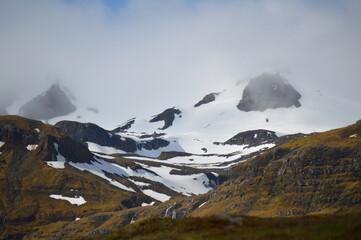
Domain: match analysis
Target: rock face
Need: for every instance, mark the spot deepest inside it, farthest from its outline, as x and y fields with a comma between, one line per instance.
x=125, y=126
x=89, y=132
x=167, y=116
x=268, y=92
x=50, y=104
x=207, y=99
x=252, y=138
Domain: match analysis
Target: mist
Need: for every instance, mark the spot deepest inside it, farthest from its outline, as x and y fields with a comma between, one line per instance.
x=145, y=56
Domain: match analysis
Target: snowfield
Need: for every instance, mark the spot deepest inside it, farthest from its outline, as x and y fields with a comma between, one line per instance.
x=73, y=200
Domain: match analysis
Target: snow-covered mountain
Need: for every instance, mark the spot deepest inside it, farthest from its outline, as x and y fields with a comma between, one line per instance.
x=197, y=135
x=219, y=116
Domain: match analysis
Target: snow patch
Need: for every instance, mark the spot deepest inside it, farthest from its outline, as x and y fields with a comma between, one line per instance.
x=37, y=130
x=31, y=147
x=60, y=163
x=202, y=204
x=55, y=164
x=139, y=184
x=77, y=219
x=93, y=147
x=156, y=195
x=353, y=136
x=104, y=156
x=73, y=200
x=100, y=167
x=1, y=144
x=148, y=204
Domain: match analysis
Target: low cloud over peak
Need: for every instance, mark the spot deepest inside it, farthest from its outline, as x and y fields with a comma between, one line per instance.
x=144, y=56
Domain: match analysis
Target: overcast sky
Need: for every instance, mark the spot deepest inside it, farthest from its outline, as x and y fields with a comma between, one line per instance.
x=137, y=57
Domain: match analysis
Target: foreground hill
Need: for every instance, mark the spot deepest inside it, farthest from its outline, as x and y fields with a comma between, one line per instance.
x=41, y=182
x=310, y=175
x=223, y=227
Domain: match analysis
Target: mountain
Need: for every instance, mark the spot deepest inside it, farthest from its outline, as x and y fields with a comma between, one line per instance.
x=47, y=177
x=279, y=105
x=52, y=103
x=317, y=174
x=247, y=150
x=311, y=175
x=267, y=92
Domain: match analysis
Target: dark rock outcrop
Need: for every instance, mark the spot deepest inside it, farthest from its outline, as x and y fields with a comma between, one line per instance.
x=252, y=138
x=125, y=126
x=207, y=99
x=52, y=103
x=268, y=92
x=13, y=133
x=167, y=116
x=89, y=132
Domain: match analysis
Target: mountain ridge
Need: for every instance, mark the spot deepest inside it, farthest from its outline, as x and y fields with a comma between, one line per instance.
x=315, y=174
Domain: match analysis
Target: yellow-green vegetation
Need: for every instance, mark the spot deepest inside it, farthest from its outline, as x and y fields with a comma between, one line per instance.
x=310, y=227
x=26, y=180
x=30, y=125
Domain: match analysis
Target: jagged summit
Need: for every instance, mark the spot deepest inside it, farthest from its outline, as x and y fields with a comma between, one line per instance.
x=268, y=92
x=54, y=102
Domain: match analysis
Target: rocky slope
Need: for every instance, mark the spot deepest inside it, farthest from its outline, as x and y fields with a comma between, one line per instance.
x=47, y=176
x=38, y=169
x=308, y=175
x=89, y=132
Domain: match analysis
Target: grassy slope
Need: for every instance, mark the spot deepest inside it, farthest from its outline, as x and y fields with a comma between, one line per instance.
x=315, y=174
x=310, y=227
x=26, y=182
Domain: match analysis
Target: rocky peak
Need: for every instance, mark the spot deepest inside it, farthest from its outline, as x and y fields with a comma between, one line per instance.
x=268, y=92
x=52, y=103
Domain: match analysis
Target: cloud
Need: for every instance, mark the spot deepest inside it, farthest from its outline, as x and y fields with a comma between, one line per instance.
x=145, y=56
